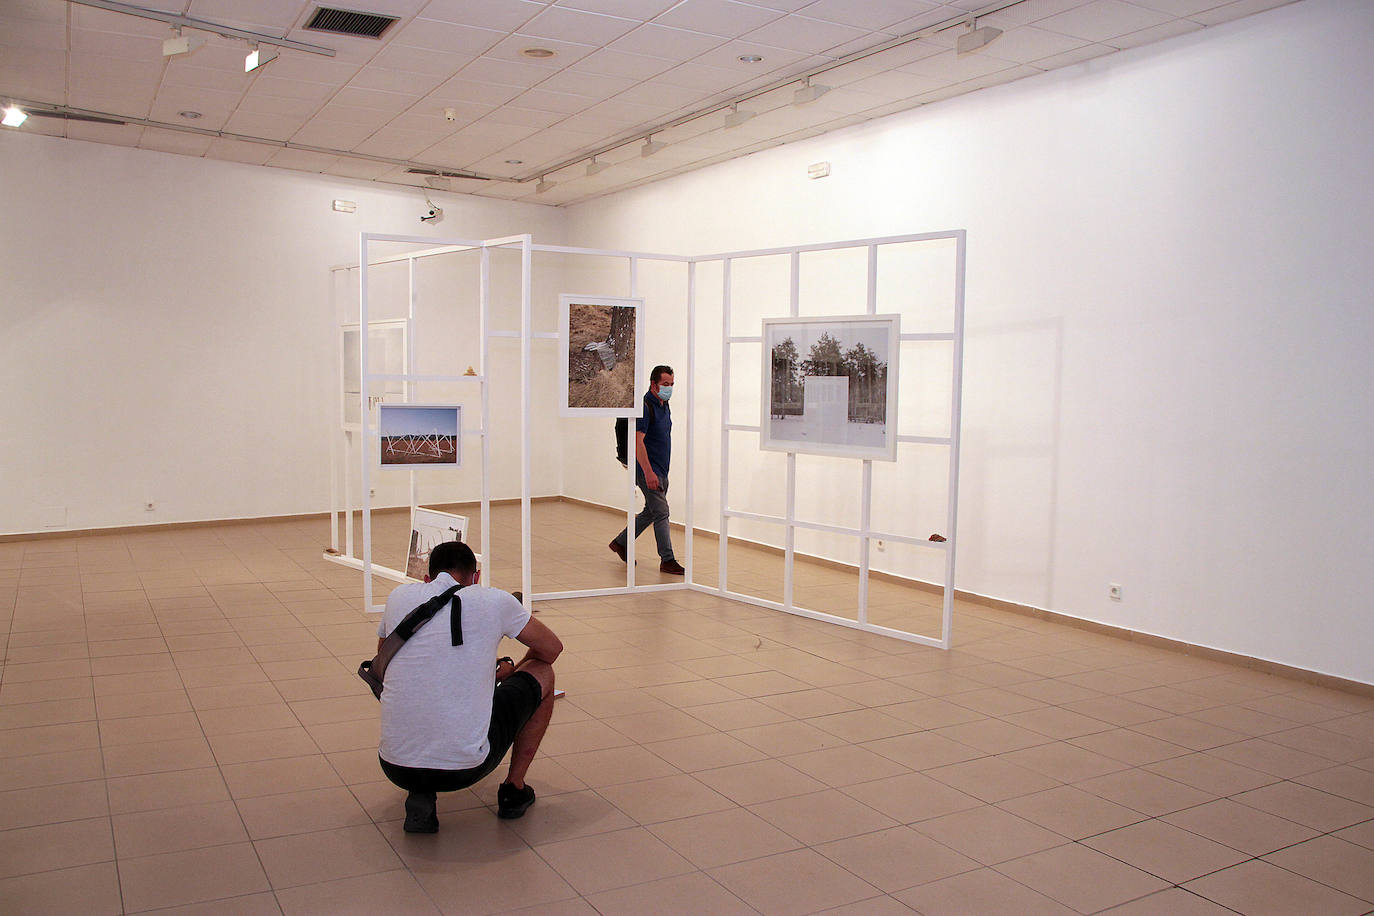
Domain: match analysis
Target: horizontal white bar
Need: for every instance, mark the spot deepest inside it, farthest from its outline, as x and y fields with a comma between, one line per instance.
x=836, y=529
x=601, y=592
x=391, y=377
x=537, y=335
x=506, y=240
x=740, y=428
x=743, y=340
x=927, y=336
x=381, y=572
x=427, y=253
x=467, y=431
x=420, y=240
x=448, y=247
x=834, y=246
x=597, y=252
x=820, y=615
x=926, y=440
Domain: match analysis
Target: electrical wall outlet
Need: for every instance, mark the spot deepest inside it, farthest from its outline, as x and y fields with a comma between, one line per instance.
x=1114, y=591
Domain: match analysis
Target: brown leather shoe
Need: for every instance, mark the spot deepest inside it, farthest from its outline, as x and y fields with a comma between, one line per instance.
x=618, y=551
x=671, y=567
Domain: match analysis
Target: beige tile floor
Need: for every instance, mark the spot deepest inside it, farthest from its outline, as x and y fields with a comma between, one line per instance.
x=181, y=730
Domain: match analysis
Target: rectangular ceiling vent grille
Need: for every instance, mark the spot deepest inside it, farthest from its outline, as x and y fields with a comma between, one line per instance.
x=349, y=22
x=442, y=173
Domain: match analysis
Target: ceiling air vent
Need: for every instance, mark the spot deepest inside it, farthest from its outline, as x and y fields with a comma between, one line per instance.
x=349, y=22
x=444, y=173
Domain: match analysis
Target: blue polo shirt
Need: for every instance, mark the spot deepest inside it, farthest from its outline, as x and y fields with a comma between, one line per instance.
x=657, y=426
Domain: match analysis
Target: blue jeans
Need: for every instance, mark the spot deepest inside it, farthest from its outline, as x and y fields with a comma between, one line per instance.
x=655, y=512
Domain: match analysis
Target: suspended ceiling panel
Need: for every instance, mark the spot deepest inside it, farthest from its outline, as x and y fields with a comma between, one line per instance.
x=621, y=71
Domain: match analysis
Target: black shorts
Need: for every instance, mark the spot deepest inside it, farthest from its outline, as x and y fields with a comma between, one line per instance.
x=512, y=703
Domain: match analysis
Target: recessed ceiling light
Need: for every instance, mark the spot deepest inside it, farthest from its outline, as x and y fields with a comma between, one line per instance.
x=515, y=162
x=750, y=59
x=189, y=115
x=539, y=53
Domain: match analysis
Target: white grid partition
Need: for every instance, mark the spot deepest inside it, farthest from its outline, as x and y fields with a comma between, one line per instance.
x=865, y=532
x=789, y=521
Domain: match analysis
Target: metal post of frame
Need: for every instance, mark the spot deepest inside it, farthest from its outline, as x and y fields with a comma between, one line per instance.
x=631, y=443
x=526, y=330
x=362, y=417
x=789, y=552
x=347, y=490
x=691, y=411
x=956, y=400
x=484, y=307
x=724, y=419
x=410, y=367
x=337, y=431
x=866, y=510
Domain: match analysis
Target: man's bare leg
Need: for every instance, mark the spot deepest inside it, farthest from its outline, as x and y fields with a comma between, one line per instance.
x=527, y=739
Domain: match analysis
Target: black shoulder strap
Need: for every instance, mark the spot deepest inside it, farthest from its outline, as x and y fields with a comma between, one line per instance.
x=422, y=614
x=373, y=670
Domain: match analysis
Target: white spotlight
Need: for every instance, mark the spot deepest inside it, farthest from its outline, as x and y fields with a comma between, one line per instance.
x=736, y=117
x=808, y=93
x=596, y=168
x=544, y=185
x=650, y=147
x=14, y=116
x=257, y=57
x=180, y=44
x=976, y=38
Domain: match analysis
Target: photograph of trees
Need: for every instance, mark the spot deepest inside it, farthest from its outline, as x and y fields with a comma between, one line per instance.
x=828, y=385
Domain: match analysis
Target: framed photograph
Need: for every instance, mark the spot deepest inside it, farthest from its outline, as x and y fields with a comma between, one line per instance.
x=386, y=355
x=419, y=435
x=599, y=338
x=830, y=386
x=428, y=528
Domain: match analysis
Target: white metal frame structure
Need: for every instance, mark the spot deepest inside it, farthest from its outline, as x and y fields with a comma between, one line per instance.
x=865, y=531
x=790, y=523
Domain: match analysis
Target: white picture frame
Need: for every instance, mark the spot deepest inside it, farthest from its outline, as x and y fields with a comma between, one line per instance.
x=387, y=351
x=419, y=435
x=851, y=410
x=429, y=527
x=594, y=380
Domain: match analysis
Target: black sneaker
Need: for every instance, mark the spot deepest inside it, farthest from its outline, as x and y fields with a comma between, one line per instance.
x=512, y=802
x=421, y=816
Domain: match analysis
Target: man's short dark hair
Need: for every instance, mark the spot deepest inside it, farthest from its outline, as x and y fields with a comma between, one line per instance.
x=452, y=556
x=659, y=372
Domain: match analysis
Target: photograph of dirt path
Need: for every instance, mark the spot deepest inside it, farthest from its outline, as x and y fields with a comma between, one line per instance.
x=601, y=356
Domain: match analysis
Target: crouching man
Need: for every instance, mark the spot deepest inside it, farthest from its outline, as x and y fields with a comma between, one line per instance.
x=446, y=721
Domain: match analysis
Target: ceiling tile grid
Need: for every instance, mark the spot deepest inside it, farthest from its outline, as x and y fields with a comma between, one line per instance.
x=451, y=86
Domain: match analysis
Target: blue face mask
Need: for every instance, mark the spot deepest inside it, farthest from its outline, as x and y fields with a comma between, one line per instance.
x=665, y=392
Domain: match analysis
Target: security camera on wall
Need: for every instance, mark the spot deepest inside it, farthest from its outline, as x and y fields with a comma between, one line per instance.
x=433, y=213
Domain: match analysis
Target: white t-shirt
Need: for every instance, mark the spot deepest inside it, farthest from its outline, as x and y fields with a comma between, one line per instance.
x=436, y=707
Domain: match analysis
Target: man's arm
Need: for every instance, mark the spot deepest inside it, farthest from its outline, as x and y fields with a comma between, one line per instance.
x=541, y=643
x=642, y=455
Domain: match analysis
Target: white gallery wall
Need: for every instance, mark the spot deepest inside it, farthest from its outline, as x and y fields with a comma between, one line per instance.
x=166, y=334
x=1169, y=322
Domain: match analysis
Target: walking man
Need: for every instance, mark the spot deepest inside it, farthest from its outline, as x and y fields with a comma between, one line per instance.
x=653, y=449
